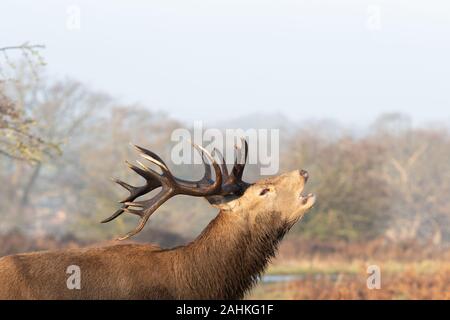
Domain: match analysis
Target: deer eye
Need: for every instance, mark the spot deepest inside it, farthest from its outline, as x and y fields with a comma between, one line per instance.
x=264, y=191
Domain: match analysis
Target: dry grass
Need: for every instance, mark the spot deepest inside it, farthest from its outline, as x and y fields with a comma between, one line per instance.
x=339, y=271
x=355, y=266
x=404, y=285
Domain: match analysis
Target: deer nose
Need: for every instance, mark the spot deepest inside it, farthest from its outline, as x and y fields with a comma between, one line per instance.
x=304, y=174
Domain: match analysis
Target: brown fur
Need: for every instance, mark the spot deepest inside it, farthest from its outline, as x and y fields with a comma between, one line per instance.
x=222, y=263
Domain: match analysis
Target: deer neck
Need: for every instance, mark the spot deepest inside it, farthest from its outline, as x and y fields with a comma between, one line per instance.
x=230, y=254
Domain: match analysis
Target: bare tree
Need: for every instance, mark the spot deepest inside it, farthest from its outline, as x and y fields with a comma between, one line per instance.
x=418, y=173
x=353, y=199
x=17, y=139
x=61, y=111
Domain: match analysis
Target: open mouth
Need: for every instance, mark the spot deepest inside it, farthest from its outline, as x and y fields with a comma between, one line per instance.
x=310, y=198
x=304, y=199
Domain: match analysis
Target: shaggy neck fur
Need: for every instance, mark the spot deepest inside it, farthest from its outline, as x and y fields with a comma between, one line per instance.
x=225, y=261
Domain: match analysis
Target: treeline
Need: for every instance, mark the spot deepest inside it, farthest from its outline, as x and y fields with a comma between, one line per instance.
x=391, y=181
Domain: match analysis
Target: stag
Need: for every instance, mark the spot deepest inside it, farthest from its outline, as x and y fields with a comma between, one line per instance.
x=223, y=262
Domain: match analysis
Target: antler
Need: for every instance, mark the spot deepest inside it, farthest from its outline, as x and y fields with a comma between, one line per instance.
x=222, y=185
x=232, y=183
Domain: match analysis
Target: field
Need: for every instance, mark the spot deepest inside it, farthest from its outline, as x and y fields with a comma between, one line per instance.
x=339, y=271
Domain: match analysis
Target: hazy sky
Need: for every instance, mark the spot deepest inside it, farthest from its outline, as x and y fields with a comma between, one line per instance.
x=207, y=59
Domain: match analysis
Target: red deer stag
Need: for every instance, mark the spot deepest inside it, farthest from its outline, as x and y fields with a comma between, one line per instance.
x=222, y=263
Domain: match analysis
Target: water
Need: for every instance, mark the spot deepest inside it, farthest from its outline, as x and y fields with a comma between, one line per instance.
x=276, y=278
x=273, y=278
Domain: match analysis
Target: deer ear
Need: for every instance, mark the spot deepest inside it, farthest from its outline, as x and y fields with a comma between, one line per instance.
x=223, y=202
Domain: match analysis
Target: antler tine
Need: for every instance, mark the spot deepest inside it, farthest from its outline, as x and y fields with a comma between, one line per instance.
x=212, y=188
x=115, y=215
x=123, y=184
x=206, y=179
x=223, y=164
x=149, y=153
x=244, y=141
x=207, y=175
x=242, y=167
x=238, y=168
x=136, y=230
x=154, y=158
x=146, y=173
x=237, y=160
x=150, y=205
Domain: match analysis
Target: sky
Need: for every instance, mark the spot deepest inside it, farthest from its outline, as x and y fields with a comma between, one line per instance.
x=348, y=60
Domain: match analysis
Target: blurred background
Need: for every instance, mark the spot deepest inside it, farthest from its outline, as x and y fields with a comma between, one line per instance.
x=358, y=89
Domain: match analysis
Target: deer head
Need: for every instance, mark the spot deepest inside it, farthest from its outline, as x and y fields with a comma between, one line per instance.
x=279, y=196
